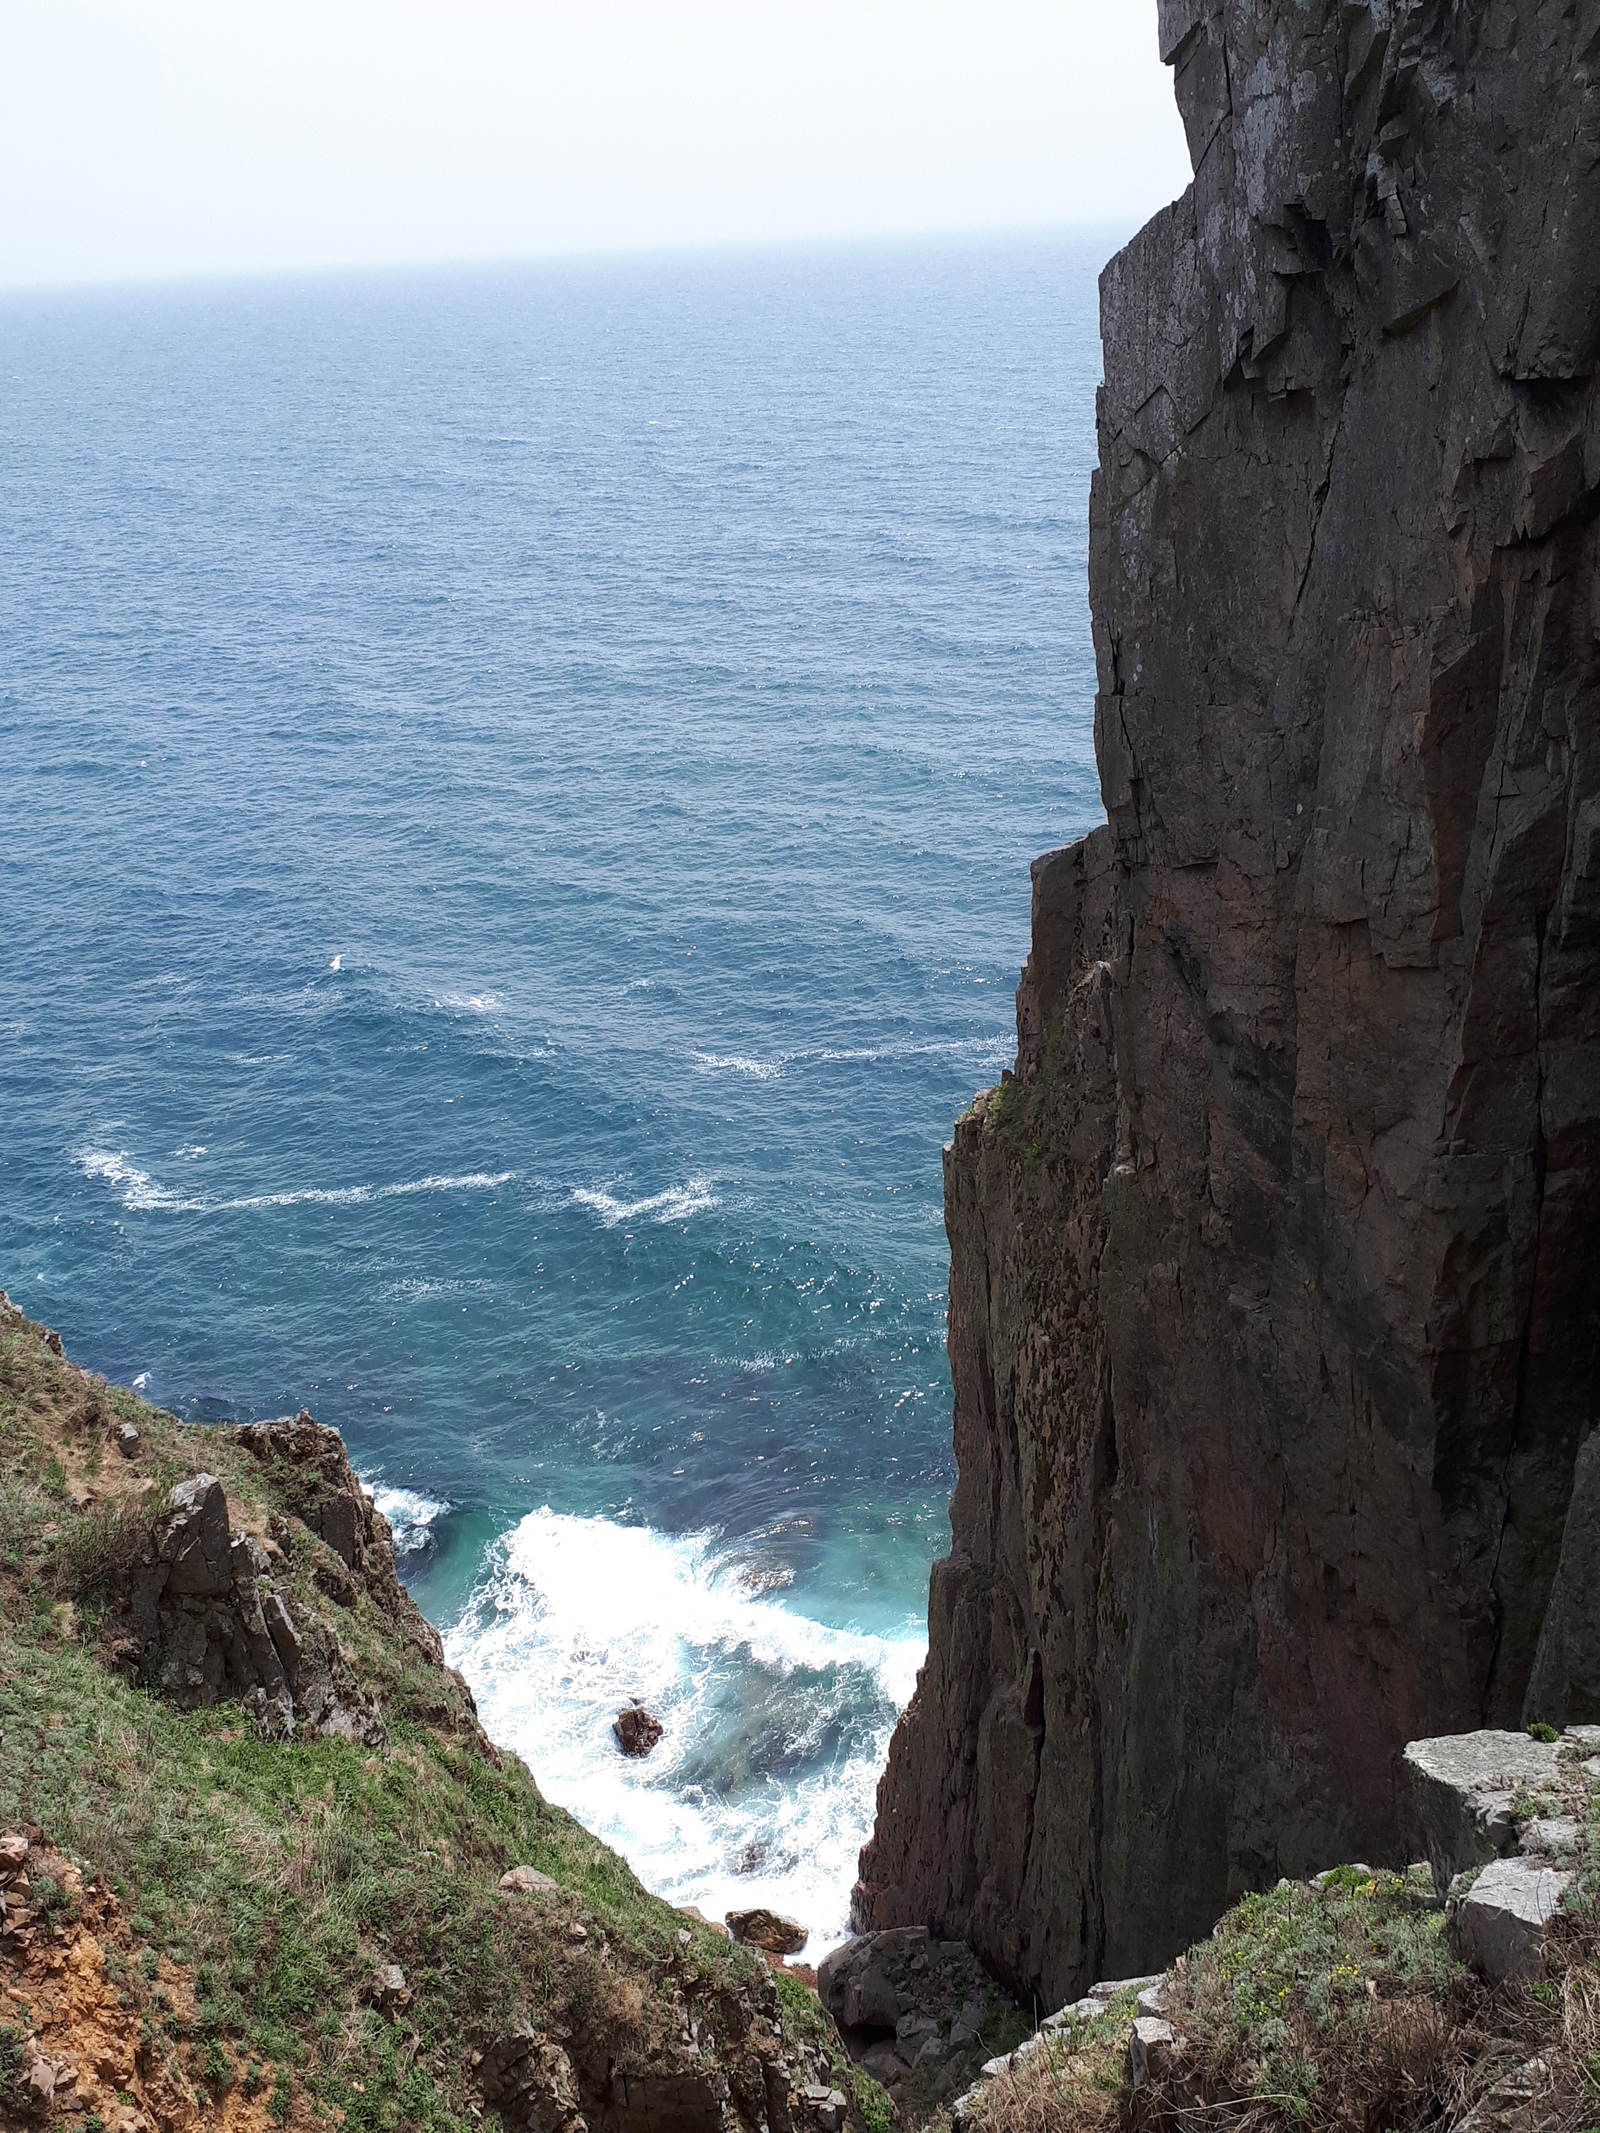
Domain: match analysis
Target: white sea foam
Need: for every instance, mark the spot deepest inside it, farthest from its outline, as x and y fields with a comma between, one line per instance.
x=473, y=1003
x=981, y=1051
x=142, y=1194
x=736, y=1063
x=676, y=1204
x=359, y=1195
x=139, y=1192
x=411, y=1514
x=576, y=1615
x=415, y=1290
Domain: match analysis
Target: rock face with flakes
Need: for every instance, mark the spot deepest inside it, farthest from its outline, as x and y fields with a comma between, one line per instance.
x=210, y=1613
x=1566, y=1672
x=1273, y=1320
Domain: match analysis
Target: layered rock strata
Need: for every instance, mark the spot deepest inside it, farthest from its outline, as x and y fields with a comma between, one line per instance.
x=1273, y=1310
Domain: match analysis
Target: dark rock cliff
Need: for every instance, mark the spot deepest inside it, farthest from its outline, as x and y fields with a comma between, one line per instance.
x=1275, y=1270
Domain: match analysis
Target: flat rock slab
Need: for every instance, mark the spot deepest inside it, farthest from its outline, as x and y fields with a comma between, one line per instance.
x=1552, y=1834
x=1499, y=1926
x=1463, y=1790
x=1518, y=2103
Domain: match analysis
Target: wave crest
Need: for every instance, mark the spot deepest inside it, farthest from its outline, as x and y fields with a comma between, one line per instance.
x=676, y=1204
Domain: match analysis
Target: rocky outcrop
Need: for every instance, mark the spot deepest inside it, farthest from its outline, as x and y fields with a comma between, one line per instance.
x=210, y=1612
x=1273, y=1324
x=207, y=1620
x=919, y=2014
x=733, y=2069
x=1463, y=1793
x=312, y=1472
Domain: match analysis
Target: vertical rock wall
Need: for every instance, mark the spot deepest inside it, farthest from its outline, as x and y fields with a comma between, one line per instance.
x=1274, y=1282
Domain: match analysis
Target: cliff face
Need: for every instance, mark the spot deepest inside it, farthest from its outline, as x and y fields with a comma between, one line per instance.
x=1273, y=1308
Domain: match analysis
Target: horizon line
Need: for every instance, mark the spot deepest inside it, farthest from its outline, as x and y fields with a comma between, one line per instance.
x=688, y=248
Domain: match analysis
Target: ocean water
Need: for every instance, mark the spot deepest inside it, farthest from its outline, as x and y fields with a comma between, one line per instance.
x=514, y=837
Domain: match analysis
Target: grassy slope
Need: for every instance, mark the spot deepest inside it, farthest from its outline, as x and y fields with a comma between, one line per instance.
x=1339, y=2007
x=281, y=1876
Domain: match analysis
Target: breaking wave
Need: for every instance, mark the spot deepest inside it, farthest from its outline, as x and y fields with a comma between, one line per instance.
x=777, y=1725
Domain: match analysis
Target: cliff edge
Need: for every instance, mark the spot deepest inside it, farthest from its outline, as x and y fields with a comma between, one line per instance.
x=261, y=1870
x=1273, y=1309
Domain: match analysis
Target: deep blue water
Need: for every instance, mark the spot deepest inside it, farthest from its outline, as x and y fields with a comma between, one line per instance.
x=517, y=801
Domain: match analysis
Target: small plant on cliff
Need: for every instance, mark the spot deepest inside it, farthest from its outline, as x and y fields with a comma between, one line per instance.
x=10, y=2061
x=1541, y=1732
x=216, y=2069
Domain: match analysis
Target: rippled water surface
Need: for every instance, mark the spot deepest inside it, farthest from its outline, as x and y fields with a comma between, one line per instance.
x=518, y=794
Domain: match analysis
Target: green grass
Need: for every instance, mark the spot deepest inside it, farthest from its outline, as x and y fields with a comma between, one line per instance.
x=281, y=1876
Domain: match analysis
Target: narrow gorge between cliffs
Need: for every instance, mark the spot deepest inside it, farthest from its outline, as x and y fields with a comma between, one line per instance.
x=1273, y=1318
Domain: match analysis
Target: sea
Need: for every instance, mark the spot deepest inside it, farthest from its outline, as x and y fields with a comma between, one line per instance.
x=516, y=794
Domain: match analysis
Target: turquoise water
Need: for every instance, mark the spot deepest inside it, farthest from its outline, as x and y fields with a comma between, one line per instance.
x=519, y=790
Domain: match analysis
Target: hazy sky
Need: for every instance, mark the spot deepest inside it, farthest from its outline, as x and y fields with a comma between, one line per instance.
x=163, y=137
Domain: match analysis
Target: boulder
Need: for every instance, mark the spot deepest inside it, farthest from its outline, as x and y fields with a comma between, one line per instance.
x=1463, y=1789
x=654, y=2101
x=1499, y=1926
x=1151, y=2048
x=390, y=1993
x=127, y=1440
x=768, y=1930
x=1549, y=1835
x=907, y=2004
x=826, y=2107
x=192, y=1538
x=884, y=2063
x=636, y=1730
x=525, y=1881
